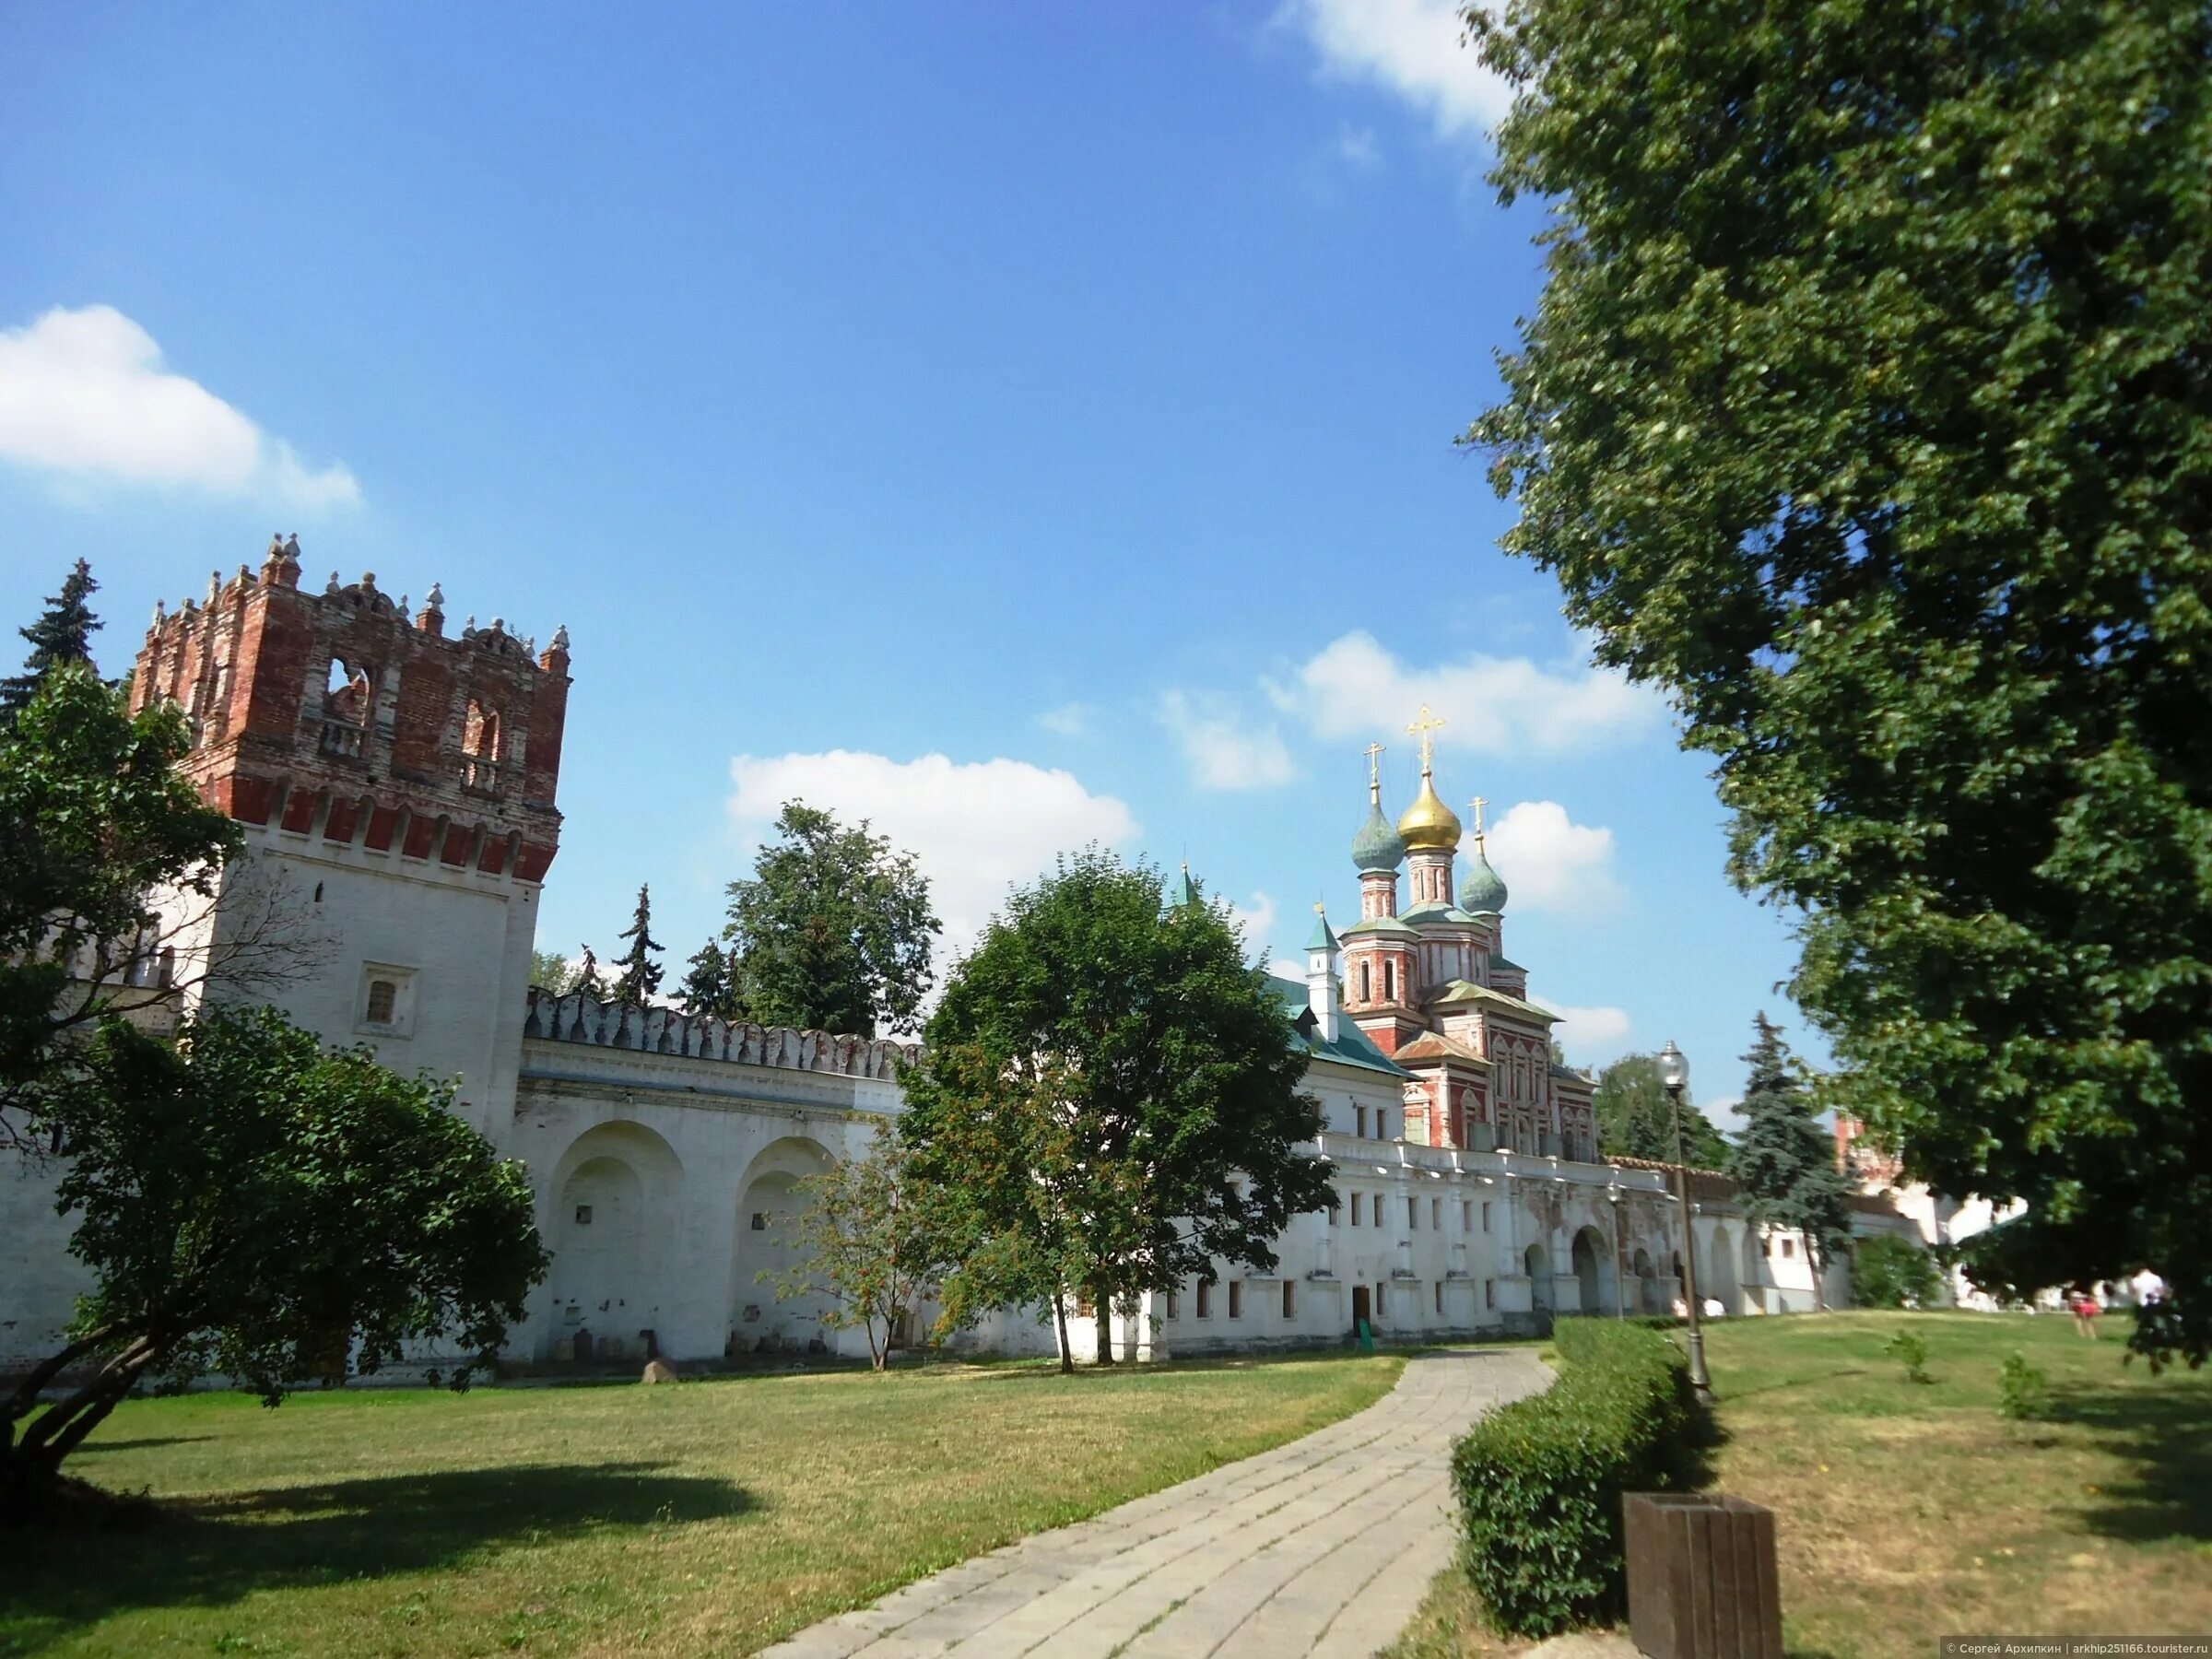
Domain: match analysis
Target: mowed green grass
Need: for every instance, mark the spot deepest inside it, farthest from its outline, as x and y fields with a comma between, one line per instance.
x=711, y=1517
x=1907, y=1511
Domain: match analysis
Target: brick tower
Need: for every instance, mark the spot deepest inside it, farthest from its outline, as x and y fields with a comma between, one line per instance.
x=396, y=787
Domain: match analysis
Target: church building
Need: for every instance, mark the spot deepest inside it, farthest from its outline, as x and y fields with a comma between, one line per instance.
x=396, y=782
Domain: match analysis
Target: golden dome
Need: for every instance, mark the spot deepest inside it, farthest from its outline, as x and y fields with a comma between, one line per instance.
x=1429, y=824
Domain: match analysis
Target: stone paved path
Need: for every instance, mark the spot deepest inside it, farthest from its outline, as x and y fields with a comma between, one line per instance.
x=1323, y=1547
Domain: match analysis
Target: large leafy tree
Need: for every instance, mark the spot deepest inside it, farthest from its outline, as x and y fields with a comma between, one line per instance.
x=1784, y=1160
x=1868, y=410
x=95, y=823
x=833, y=931
x=253, y=1205
x=639, y=978
x=1113, y=1093
x=62, y=634
x=710, y=984
x=1635, y=1119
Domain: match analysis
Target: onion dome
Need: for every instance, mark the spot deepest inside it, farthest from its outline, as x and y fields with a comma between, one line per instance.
x=1377, y=849
x=1481, y=891
x=1428, y=825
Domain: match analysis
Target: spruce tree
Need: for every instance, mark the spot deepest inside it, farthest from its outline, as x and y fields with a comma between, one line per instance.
x=641, y=975
x=708, y=986
x=63, y=634
x=1784, y=1160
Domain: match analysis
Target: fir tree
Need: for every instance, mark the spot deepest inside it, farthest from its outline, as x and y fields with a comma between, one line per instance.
x=1783, y=1159
x=641, y=975
x=708, y=985
x=588, y=982
x=64, y=634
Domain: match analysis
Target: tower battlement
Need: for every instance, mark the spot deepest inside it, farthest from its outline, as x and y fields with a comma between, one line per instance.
x=339, y=716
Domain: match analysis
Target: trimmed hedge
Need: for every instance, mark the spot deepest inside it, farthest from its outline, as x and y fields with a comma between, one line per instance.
x=1540, y=1480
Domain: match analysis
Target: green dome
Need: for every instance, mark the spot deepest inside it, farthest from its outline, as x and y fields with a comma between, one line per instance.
x=1481, y=890
x=1377, y=846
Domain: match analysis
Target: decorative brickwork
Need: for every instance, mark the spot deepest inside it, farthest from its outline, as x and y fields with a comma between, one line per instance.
x=578, y=1018
x=339, y=715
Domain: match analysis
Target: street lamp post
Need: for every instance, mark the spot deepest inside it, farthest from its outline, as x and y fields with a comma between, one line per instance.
x=1674, y=1072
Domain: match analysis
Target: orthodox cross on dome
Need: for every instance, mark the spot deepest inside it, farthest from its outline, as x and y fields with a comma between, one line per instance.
x=1478, y=803
x=1374, y=772
x=1424, y=723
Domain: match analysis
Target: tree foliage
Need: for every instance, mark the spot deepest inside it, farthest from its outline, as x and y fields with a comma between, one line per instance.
x=549, y=971
x=62, y=634
x=833, y=931
x=864, y=1242
x=1635, y=1119
x=640, y=978
x=1784, y=1160
x=251, y=1204
x=710, y=984
x=95, y=823
x=1111, y=1101
x=1865, y=411
x=1890, y=1272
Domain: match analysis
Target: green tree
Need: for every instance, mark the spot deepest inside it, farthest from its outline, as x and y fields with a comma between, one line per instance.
x=1636, y=1120
x=833, y=931
x=1784, y=1160
x=94, y=819
x=1865, y=412
x=589, y=982
x=1111, y=1101
x=709, y=986
x=549, y=971
x=864, y=1242
x=641, y=975
x=63, y=634
x=251, y=1204
x=1888, y=1271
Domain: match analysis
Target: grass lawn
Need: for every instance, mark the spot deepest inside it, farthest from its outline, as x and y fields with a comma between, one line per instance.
x=712, y=1517
x=1907, y=1511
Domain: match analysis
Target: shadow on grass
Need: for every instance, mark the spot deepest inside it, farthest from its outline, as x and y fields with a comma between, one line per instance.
x=2167, y=1439
x=210, y=1552
x=91, y=1446
x=1727, y=1396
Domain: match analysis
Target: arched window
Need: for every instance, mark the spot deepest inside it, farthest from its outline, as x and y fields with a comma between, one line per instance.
x=480, y=746
x=1390, y=981
x=1367, y=987
x=348, y=701
x=383, y=1002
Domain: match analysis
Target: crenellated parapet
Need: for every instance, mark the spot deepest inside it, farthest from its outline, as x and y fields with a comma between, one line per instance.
x=342, y=717
x=575, y=1018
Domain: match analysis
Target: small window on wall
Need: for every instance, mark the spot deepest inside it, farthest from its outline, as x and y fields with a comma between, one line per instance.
x=1436, y=1214
x=1381, y=1299
x=1467, y=1214
x=1236, y=1299
x=1489, y=1293
x=1413, y=1215
x=759, y=1220
x=1174, y=1305
x=584, y=1215
x=1486, y=1215
x=1390, y=981
x=386, y=1004
x=1362, y=1111
x=1289, y=1299
x=1381, y=1123
x=1789, y=1248
x=1440, y=1296
x=1355, y=1209
x=1205, y=1300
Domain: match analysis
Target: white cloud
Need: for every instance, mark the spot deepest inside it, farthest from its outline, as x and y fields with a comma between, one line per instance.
x=976, y=826
x=84, y=391
x=1410, y=47
x=1725, y=1114
x=1356, y=145
x=1070, y=720
x=1353, y=686
x=1257, y=920
x=1289, y=968
x=1551, y=862
x=1219, y=752
x=1592, y=1037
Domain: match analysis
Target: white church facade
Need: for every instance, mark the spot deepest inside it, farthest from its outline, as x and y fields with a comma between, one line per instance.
x=398, y=781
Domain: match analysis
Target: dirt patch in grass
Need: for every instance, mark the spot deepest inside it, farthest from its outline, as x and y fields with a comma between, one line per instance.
x=716, y=1516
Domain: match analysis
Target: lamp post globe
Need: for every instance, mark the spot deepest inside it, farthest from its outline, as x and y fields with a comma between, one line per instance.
x=1674, y=1072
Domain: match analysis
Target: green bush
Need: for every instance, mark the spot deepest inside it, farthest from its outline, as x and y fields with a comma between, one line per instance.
x=1890, y=1272
x=1540, y=1481
x=1907, y=1349
x=2023, y=1390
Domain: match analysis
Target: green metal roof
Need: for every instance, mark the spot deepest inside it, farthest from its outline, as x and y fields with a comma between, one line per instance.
x=1377, y=847
x=1182, y=890
x=1382, y=924
x=1323, y=938
x=1352, y=1046
x=1498, y=961
x=1460, y=991
x=1435, y=911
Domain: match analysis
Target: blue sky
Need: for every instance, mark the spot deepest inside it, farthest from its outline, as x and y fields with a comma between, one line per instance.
x=1024, y=425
